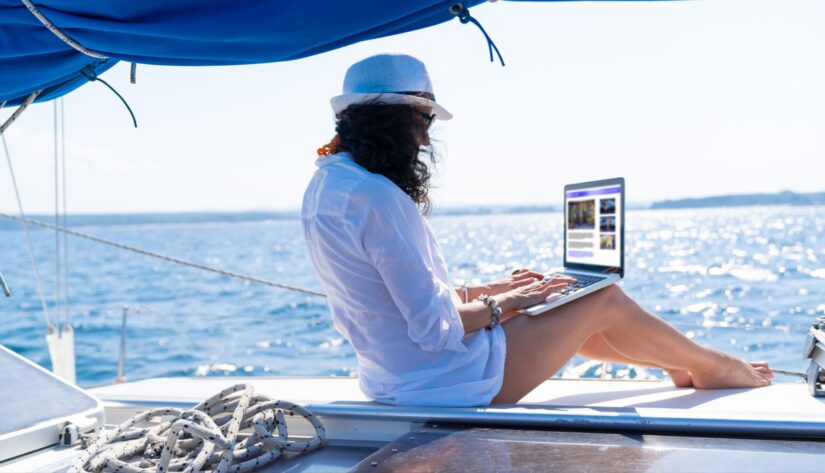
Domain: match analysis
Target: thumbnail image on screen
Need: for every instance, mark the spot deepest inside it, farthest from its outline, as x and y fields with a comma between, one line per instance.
x=607, y=242
x=607, y=206
x=581, y=215
x=607, y=224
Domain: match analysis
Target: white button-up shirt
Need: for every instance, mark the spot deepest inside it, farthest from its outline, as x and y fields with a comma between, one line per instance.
x=389, y=293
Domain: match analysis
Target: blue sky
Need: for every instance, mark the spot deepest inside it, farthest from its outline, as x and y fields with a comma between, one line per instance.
x=683, y=99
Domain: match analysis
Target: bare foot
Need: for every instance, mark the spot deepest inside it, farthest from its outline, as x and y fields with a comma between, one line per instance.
x=731, y=372
x=681, y=378
x=684, y=378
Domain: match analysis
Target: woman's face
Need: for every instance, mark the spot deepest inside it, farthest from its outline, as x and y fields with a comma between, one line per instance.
x=426, y=114
x=425, y=118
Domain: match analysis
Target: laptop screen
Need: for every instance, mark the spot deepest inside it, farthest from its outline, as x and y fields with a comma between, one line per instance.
x=593, y=217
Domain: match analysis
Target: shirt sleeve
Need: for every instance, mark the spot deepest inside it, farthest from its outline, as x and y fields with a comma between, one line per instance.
x=395, y=239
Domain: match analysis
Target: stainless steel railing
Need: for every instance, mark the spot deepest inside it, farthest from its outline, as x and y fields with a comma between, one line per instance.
x=4, y=287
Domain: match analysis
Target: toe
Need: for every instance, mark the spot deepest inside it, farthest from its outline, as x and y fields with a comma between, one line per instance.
x=764, y=371
x=681, y=378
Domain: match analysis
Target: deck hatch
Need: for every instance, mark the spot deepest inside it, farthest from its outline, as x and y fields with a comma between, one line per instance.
x=37, y=405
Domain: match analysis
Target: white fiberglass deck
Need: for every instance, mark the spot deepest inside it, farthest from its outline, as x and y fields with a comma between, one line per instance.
x=781, y=409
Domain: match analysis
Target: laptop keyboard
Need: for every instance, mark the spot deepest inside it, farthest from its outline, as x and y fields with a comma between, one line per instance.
x=572, y=290
x=582, y=281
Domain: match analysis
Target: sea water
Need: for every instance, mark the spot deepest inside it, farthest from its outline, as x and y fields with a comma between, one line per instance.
x=747, y=280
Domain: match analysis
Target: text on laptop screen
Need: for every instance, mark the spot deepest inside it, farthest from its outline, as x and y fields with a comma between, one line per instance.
x=593, y=219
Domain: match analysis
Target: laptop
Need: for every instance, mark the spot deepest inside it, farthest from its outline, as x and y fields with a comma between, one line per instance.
x=593, y=240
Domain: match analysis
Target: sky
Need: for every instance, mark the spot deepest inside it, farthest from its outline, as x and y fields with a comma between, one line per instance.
x=683, y=99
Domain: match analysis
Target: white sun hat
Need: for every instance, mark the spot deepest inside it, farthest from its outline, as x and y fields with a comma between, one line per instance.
x=390, y=78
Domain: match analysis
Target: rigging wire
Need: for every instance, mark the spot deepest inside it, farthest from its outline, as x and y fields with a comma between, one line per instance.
x=170, y=259
x=745, y=327
x=57, y=269
x=23, y=219
x=257, y=280
x=605, y=371
x=65, y=215
x=794, y=374
x=198, y=313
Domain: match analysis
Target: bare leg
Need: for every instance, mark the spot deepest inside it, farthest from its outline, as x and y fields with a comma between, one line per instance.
x=597, y=348
x=537, y=347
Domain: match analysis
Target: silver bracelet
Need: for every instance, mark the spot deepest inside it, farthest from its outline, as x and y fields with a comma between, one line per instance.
x=465, y=288
x=494, y=308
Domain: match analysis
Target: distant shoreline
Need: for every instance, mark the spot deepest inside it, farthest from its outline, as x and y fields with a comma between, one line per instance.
x=154, y=218
x=743, y=200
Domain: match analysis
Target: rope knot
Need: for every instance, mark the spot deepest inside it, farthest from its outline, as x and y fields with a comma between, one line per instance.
x=461, y=12
x=89, y=72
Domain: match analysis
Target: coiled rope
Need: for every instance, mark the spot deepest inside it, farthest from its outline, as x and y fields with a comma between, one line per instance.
x=170, y=259
x=205, y=437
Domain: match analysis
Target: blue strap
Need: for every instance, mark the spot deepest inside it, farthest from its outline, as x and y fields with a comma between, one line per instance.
x=464, y=16
x=89, y=73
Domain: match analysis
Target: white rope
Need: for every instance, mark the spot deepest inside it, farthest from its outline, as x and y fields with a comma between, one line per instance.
x=204, y=438
x=167, y=258
x=19, y=110
x=63, y=37
x=23, y=219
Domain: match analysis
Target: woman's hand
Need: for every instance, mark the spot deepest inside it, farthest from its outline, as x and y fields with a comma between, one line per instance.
x=518, y=278
x=532, y=293
x=524, y=291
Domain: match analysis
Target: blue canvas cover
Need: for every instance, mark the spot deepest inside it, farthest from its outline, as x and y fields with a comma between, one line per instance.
x=187, y=33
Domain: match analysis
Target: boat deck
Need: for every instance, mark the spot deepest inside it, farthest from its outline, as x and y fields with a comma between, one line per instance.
x=782, y=409
x=573, y=425
x=447, y=449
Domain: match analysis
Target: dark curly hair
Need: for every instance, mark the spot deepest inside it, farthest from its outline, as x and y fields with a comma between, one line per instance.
x=392, y=140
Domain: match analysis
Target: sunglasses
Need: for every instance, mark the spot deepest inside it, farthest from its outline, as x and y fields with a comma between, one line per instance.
x=427, y=116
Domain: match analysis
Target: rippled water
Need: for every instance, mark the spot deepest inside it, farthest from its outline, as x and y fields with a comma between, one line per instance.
x=747, y=280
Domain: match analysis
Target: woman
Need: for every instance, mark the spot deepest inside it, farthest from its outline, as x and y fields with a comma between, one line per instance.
x=418, y=340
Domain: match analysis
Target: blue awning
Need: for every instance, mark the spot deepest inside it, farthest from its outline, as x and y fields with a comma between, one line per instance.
x=187, y=33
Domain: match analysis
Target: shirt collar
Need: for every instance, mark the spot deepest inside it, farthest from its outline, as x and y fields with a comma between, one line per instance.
x=333, y=158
